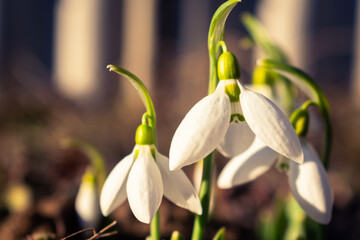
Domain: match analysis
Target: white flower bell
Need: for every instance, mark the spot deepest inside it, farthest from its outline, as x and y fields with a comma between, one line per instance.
x=308, y=181
x=144, y=181
x=205, y=126
x=87, y=201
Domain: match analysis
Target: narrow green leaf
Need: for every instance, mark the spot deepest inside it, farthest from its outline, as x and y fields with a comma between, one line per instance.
x=220, y=235
x=176, y=236
x=216, y=34
x=259, y=35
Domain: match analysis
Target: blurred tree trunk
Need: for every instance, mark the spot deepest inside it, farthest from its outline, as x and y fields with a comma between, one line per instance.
x=286, y=22
x=138, y=48
x=80, y=51
x=355, y=86
x=1, y=40
x=193, y=60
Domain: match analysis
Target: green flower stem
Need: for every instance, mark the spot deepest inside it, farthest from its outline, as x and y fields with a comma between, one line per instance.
x=222, y=45
x=150, y=116
x=143, y=93
x=309, y=86
x=155, y=227
x=205, y=189
x=216, y=34
x=96, y=159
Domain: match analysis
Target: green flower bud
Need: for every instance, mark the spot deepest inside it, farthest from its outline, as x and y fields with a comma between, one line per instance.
x=144, y=135
x=301, y=125
x=300, y=121
x=228, y=67
x=262, y=75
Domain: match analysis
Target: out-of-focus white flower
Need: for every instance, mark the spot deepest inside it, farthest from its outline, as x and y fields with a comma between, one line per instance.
x=87, y=201
x=144, y=181
x=227, y=115
x=308, y=181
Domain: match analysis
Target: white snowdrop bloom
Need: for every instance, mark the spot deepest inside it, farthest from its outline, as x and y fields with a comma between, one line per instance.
x=227, y=115
x=310, y=186
x=87, y=201
x=144, y=181
x=309, y=182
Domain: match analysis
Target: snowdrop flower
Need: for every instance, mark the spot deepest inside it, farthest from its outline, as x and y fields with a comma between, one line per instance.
x=144, y=177
x=87, y=201
x=231, y=113
x=308, y=181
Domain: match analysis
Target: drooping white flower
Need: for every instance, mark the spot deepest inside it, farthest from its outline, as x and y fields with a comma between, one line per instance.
x=308, y=181
x=87, y=201
x=310, y=186
x=205, y=126
x=144, y=182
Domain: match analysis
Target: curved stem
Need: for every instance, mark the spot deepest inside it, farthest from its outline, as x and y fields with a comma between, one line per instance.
x=216, y=34
x=205, y=188
x=140, y=89
x=309, y=86
x=222, y=45
x=150, y=116
x=96, y=159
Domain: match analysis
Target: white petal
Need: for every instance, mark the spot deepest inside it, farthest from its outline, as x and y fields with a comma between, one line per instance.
x=263, y=89
x=237, y=139
x=177, y=186
x=270, y=125
x=113, y=193
x=144, y=187
x=201, y=130
x=247, y=166
x=310, y=186
x=87, y=204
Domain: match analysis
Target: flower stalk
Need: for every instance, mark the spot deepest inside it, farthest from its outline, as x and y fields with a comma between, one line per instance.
x=205, y=193
x=148, y=118
x=309, y=87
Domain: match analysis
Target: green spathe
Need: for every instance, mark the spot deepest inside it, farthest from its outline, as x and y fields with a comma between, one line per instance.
x=228, y=67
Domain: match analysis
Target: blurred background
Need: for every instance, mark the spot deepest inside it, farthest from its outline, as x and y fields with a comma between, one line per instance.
x=54, y=85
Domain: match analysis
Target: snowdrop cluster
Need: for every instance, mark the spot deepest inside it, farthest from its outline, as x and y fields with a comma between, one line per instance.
x=241, y=124
x=251, y=129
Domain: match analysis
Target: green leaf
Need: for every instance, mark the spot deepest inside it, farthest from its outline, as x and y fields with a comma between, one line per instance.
x=273, y=222
x=216, y=34
x=176, y=236
x=260, y=36
x=220, y=235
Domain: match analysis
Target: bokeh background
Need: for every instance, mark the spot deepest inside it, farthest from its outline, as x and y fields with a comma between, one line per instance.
x=54, y=85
